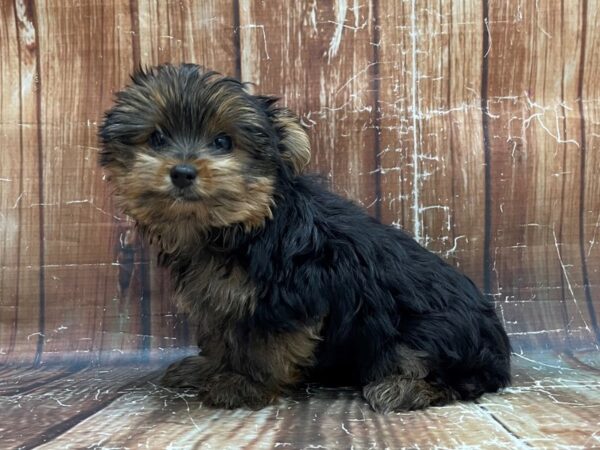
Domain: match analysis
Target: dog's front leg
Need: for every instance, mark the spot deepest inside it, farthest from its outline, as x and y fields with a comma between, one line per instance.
x=260, y=366
x=190, y=372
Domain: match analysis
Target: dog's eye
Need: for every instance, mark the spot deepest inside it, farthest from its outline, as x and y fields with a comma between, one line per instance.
x=223, y=143
x=157, y=140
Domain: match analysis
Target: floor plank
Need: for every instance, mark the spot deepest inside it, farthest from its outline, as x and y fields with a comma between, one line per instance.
x=554, y=403
x=40, y=415
x=322, y=419
x=18, y=380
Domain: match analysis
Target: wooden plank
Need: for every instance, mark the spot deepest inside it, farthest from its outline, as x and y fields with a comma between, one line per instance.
x=18, y=380
x=79, y=245
x=432, y=157
x=20, y=256
x=555, y=404
x=534, y=148
x=548, y=417
x=319, y=60
x=58, y=405
x=197, y=31
x=589, y=109
x=325, y=419
x=398, y=135
x=464, y=148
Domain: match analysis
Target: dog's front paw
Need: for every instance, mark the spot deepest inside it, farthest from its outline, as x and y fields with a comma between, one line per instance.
x=232, y=390
x=192, y=371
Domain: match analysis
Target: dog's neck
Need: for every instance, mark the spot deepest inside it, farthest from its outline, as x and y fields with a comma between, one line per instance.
x=183, y=240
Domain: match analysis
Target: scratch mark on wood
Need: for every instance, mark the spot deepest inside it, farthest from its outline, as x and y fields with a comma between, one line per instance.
x=417, y=224
x=27, y=29
x=568, y=280
x=262, y=28
x=428, y=89
x=341, y=8
x=346, y=430
x=557, y=116
x=489, y=42
x=18, y=200
x=452, y=249
x=446, y=210
x=312, y=18
x=355, y=76
x=593, y=240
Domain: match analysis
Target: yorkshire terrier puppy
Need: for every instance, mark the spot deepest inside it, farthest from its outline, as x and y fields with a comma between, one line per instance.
x=288, y=282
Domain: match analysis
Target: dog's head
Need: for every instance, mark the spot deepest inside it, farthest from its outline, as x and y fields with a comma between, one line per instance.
x=182, y=144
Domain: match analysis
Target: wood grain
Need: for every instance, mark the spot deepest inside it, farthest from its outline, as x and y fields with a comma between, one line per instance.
x=21, y=277
x=432, y=149
x=78, y=240
x=203, y=32
x=473, y=125
x=21, y=379
x=318, y=60
x=554, y=404
x=325, y=419
x=589, y=115
x=535, y=153
x=41, y=414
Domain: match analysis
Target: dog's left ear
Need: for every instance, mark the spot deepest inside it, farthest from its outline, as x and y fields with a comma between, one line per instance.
x=294, y=145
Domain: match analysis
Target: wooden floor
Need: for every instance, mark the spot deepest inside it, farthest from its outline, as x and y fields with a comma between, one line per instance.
x=554, y=403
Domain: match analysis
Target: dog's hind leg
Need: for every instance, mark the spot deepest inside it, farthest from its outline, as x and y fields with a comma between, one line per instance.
x=395, y=393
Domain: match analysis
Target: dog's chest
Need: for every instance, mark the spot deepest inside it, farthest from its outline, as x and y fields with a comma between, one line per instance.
x=212, y=285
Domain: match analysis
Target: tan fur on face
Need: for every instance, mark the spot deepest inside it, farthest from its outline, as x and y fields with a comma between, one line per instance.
x=225, y=197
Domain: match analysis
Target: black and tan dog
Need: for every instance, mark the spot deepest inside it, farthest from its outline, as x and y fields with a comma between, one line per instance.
x=288, y=281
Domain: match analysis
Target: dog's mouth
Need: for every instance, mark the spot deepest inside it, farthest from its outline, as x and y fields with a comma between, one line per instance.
x=186, y=195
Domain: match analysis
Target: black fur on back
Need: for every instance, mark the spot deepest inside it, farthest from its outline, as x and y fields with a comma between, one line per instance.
x=323, y=259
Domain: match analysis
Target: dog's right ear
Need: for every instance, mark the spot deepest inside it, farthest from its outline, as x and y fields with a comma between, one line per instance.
x=294, y=146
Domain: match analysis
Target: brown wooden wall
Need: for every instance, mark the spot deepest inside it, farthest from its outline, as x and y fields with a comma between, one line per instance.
x=475, y=125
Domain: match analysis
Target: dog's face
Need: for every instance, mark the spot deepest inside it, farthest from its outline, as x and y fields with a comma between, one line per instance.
x=182, y=144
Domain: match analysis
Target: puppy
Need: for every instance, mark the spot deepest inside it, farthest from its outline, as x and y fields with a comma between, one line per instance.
x=288, y=282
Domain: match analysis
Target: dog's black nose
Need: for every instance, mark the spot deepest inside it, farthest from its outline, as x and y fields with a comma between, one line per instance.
x=183, y=175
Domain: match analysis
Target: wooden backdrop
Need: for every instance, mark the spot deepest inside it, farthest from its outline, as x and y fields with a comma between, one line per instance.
x=474, y=125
